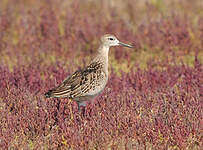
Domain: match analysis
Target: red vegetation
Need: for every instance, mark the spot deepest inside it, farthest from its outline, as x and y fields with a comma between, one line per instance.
x=157, y=107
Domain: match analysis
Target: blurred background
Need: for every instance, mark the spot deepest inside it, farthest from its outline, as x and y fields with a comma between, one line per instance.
x=153, y=99
x=53, y=31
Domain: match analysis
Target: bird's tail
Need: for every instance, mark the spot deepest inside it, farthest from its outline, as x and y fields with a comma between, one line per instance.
x=48, y=94
x=57, y=92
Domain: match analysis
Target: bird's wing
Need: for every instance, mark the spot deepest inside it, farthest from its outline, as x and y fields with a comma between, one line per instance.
x=79, y=83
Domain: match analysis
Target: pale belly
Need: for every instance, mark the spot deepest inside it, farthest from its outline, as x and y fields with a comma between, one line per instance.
x=92, y=93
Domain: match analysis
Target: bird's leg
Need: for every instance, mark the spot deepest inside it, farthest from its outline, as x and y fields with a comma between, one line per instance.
x=81, y=104
x=78, y=106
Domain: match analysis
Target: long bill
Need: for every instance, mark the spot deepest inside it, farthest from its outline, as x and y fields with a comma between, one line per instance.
x=126, y=45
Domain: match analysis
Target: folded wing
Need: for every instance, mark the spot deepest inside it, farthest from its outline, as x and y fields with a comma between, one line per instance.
x=79, y=83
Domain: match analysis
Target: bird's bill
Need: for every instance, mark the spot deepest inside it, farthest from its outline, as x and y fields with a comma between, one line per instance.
x=126, y=45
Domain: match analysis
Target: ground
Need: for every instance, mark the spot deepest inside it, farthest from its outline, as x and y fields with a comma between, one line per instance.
x=153, y=99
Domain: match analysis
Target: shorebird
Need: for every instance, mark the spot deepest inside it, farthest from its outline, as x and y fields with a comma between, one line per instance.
x=87, y=83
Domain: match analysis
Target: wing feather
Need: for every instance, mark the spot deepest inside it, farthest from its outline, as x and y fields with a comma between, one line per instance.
x=78, y=83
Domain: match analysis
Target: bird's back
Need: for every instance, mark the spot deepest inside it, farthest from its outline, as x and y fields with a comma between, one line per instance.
x=84, y=83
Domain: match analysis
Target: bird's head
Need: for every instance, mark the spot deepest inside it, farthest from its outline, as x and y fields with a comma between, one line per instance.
x=110, y=40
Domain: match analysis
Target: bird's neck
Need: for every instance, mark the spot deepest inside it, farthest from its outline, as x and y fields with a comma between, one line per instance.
x=102, y=56
x=103, y=53
x=103, y=50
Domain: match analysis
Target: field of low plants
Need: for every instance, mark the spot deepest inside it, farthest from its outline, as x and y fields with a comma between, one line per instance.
x=154, y=96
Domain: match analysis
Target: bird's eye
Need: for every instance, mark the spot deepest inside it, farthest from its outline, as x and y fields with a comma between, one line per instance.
x=111, y=39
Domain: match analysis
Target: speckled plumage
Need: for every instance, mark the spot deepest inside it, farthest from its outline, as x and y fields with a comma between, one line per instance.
x=82, y=83
x=90, y=81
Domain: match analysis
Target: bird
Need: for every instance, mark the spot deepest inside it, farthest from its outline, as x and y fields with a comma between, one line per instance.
x=87, y=83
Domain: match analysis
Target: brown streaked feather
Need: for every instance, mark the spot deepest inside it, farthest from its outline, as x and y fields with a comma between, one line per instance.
x=79, y=83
